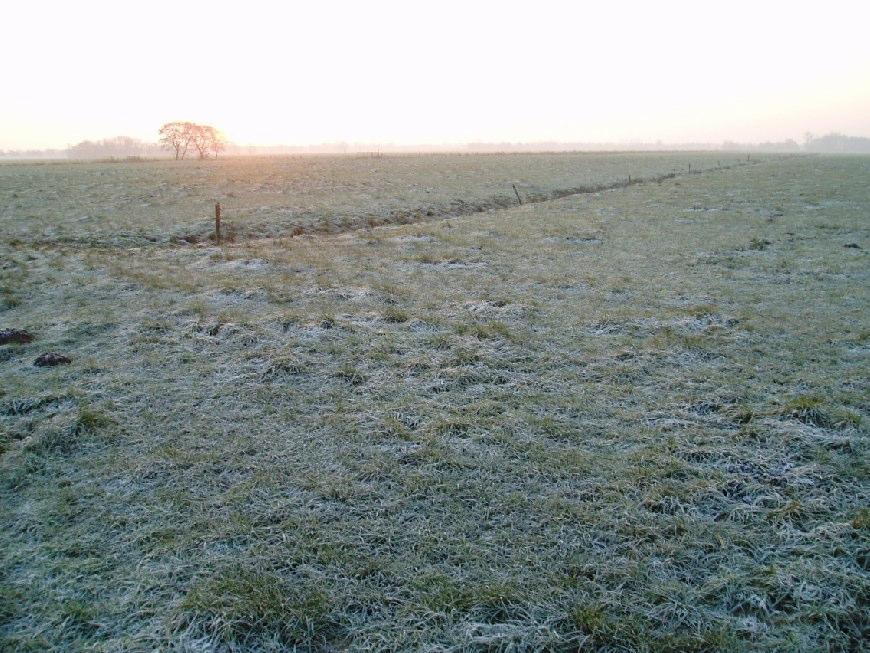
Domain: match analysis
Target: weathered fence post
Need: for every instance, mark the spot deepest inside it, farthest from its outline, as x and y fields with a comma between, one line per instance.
x=217, y=221
x=518, y=194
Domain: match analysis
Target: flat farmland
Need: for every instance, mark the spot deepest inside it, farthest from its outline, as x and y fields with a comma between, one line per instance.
x=625, y=420
x=134, y=203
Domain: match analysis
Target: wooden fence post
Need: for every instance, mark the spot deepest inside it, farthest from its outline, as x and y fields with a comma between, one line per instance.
x=217, y=221
x=518, y=194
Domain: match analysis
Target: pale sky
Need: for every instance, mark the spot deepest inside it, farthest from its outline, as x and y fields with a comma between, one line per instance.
x=434, y=72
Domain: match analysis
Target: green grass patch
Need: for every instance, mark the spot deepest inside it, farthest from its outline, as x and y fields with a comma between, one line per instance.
x=814, y=410
x=244, y=607
x=395, y=315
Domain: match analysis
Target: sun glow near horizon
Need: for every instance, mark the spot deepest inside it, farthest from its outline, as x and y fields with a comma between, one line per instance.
x=447, y=73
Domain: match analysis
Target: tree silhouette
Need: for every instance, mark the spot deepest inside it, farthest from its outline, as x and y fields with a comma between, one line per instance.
x=206, y=139
x=176, y=136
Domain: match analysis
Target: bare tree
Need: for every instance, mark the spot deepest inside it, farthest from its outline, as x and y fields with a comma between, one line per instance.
x=177, y=136
x=218, y=143
x=207, y=139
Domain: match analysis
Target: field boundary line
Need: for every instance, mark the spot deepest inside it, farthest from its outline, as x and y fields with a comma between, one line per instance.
x=397, y=217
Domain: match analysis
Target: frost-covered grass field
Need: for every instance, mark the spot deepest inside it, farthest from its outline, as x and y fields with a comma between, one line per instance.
x=631, y=420
x=158, y=201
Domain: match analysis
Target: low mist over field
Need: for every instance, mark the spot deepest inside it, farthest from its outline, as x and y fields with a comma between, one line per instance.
x=391, y=327
x=125, y=147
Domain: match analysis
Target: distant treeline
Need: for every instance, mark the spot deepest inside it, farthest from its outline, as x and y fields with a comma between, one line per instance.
x=828, y=144
x=837, y=143
x=125, y=148
x=120, y=147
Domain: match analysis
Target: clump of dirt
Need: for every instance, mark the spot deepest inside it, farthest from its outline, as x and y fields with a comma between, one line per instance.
x=759, y=244
x=51, y=359
x=592, y=240
x=18, y=336
x=574, y=240
x=187, y=239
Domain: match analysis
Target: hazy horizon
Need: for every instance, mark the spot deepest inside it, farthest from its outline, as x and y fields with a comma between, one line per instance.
x=449, y=74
